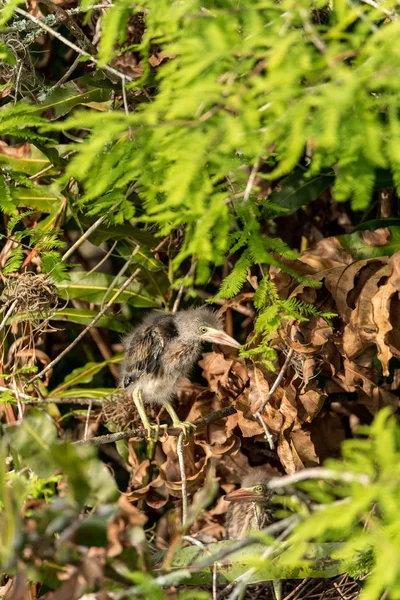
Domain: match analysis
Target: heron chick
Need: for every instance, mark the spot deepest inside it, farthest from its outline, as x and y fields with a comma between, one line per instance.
x=250, y=508
x=161, y=351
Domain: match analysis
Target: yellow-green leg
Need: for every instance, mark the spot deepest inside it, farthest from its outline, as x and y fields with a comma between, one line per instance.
x=186, y=426
x=152, y=431
x=277, y=587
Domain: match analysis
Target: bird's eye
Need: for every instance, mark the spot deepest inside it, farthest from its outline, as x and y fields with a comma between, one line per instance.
x=259, y=489
x=203, y=329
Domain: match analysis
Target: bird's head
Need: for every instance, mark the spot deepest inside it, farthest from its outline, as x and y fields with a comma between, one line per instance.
x=254, y=489
x=203, y=325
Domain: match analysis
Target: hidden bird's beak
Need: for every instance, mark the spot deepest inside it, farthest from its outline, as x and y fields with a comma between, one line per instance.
x=243, y=495
x=215, y=336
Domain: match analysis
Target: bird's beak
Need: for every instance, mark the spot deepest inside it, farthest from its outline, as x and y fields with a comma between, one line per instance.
x=215, y=336
x=243, y=495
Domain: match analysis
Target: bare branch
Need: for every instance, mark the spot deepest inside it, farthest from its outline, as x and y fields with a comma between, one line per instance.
x=318, y=473
x=173, y=431
x=181, y=460
x=64, y=40
x=88, y=232
x=276, y=383
x=258, y=414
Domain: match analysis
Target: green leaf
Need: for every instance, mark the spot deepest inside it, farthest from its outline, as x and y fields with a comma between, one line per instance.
x=85, y=392
x=32, y=439
x=65, y=98
x=92, y=531
x=360, y=249
x=142, y=257
x=40, y=199
x=84, y=316
x=377, y=224
x=101, y=234
x=84, y=374
x=88, y=478
x=93, y=287
x=29, y=166
x=297, y=190
x=321, y=563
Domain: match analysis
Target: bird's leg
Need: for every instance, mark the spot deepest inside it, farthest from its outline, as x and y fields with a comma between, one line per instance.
x=152, y=431
x=277, y=587
x=186, y=426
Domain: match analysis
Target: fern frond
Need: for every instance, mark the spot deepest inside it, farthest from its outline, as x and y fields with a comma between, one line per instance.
x=14, y=260
x=233, y=283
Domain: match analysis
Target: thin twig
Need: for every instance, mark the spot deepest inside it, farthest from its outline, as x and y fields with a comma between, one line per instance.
x=182, y=287
x=318, y=473
x=276, y=382
x=178, y=298
x=258, y=413
x=179, y=576
x=50, y=166
x=172, y=431
x=85, y=331
x=64, y=78
x=50, y=400
x=8, y=313
x=272, y=530
x=181, y=460
x=121, y=272
x=88, y=232
x=267, y=433
x=388, y=13
x=126, y=106
x=103, y=260
x=87, y=421
x=192, y=540
x=214, y=582
x=67, y=42
x=250, y=182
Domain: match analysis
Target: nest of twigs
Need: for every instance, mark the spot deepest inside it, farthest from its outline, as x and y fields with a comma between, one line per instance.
x=34, y=295
x=119, y=410
x=20, y=76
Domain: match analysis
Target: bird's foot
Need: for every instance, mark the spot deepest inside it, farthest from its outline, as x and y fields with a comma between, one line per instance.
x=187, y=427
x=155, y=433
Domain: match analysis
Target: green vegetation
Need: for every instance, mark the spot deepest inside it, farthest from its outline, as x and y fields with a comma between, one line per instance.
x=196, y=151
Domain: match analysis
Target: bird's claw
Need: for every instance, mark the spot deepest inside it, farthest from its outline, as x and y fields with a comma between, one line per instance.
x=156, y=433
x=187, y=427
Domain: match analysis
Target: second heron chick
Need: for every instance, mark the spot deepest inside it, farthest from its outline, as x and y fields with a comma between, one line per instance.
x=251, y=508
x=161, y=351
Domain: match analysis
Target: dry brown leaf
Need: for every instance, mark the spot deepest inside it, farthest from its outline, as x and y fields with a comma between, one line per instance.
x=154, y=493
x=378, y=237
x=326, y=255
x=128, y=517
x=17, y=151
x=310, y=404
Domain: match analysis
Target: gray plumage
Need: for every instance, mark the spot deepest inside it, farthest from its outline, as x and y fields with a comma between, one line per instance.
x=162, y=350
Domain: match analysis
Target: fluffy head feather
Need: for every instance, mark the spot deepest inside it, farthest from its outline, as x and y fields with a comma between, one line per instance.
x=189, y=322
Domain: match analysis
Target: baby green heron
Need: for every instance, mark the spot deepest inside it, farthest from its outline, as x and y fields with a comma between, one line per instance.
x=250, y=508
x=161, y=351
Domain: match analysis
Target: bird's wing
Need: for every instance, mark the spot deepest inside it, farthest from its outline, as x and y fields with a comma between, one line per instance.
x=143, y=352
